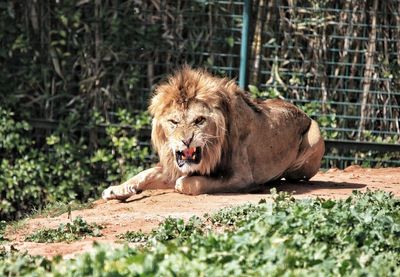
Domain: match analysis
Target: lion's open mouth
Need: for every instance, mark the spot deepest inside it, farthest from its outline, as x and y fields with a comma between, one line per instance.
x=188, y=155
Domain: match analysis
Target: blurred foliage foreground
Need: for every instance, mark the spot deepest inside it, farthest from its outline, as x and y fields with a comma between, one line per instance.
x=358, y=236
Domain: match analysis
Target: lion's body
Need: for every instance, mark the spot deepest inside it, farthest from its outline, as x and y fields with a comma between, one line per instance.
x=211, y=137
x=273, y=138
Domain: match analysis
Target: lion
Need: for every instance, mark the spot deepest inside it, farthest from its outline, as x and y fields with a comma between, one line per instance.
x=211, y=137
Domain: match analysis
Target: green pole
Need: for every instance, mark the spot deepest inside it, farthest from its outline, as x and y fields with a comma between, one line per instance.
x=244, y=45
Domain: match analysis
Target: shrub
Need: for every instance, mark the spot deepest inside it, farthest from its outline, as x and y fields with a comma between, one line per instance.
x=63, y=168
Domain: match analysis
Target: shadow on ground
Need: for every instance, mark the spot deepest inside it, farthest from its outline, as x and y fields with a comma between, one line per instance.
x=306, y=187
x=299, y=187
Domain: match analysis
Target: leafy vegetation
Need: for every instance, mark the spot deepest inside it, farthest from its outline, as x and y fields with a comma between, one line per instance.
x=356, y=236
x=171, y=228
x=134, y=236
x=75, y=230
x=3, y=226
x=61, y=169
x=270, y=93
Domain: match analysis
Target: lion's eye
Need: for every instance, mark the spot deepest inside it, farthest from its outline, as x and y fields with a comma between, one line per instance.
x=173, y=122
x=200, y=120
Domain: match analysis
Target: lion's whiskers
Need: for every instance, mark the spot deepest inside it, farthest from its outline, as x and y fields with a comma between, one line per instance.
x=221, y=128
x=210, y=136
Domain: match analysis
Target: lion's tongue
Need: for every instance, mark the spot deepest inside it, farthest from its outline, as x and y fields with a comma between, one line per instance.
x=188, y=153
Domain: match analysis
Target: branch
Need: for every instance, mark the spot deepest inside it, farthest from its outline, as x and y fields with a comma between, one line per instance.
x=369, y=70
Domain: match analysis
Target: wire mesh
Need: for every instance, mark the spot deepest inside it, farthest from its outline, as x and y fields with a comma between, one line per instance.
x=338, y=60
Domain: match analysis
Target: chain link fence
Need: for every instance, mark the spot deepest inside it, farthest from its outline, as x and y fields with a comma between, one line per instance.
x=338, y=60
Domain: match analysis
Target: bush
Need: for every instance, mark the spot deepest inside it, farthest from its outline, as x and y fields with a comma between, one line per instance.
x=35, y=173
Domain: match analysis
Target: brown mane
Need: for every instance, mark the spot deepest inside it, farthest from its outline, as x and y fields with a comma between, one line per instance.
x=187, y=85
x=178, y=91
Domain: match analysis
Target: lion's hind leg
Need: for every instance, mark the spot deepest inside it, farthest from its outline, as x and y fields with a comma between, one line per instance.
x=311, y=151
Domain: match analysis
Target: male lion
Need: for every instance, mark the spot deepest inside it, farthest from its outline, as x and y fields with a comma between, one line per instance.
x=211, y=137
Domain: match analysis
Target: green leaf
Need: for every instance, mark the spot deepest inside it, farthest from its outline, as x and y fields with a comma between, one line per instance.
x=254, y=90
x=230, y=41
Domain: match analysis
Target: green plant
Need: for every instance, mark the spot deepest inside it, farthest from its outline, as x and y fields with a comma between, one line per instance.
x=75, y=230
x=327, y=121
x=3, y=226
x=175, y=228
x=234, y=216
x=270, y=93
x=134, y=236
x=20, y=175
x=65, y=168
x=13, y=134
x=119, y=155
x=171, y=228
x=14, y=263
x=35, y=177
x=356, y=236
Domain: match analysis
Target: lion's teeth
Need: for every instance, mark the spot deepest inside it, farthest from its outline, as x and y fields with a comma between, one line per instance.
x=194, y=156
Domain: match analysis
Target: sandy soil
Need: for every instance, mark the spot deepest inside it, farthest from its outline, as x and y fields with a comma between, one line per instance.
x=146, y=210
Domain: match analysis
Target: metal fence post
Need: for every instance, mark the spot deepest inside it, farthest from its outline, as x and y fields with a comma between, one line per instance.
x=244, y=45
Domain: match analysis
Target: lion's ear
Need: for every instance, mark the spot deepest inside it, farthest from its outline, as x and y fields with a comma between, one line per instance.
x=158, y=137
x=160, y=100
x=155, y=103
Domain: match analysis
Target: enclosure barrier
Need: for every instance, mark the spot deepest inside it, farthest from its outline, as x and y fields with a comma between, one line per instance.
x=338, y=60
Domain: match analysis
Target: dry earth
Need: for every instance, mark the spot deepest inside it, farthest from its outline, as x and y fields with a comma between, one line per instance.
x=145, y=211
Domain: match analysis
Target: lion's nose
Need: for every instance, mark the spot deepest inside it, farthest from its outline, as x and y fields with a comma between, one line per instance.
x=188, y=140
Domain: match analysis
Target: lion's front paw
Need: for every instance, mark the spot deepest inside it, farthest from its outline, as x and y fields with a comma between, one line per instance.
x=179, y=184
x=116, y=192
x=186, y=186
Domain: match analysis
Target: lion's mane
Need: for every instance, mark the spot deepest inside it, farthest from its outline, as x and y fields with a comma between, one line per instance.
x=178, y=91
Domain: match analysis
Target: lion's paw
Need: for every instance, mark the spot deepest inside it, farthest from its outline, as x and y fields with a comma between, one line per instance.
x=115, y=192
x=179, y=186
x=187, y=185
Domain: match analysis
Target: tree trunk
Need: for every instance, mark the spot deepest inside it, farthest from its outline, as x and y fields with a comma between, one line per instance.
x=258, y=42
x=369, y=70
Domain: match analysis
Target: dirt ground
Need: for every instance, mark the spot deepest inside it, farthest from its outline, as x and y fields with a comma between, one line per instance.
x=146, y=210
